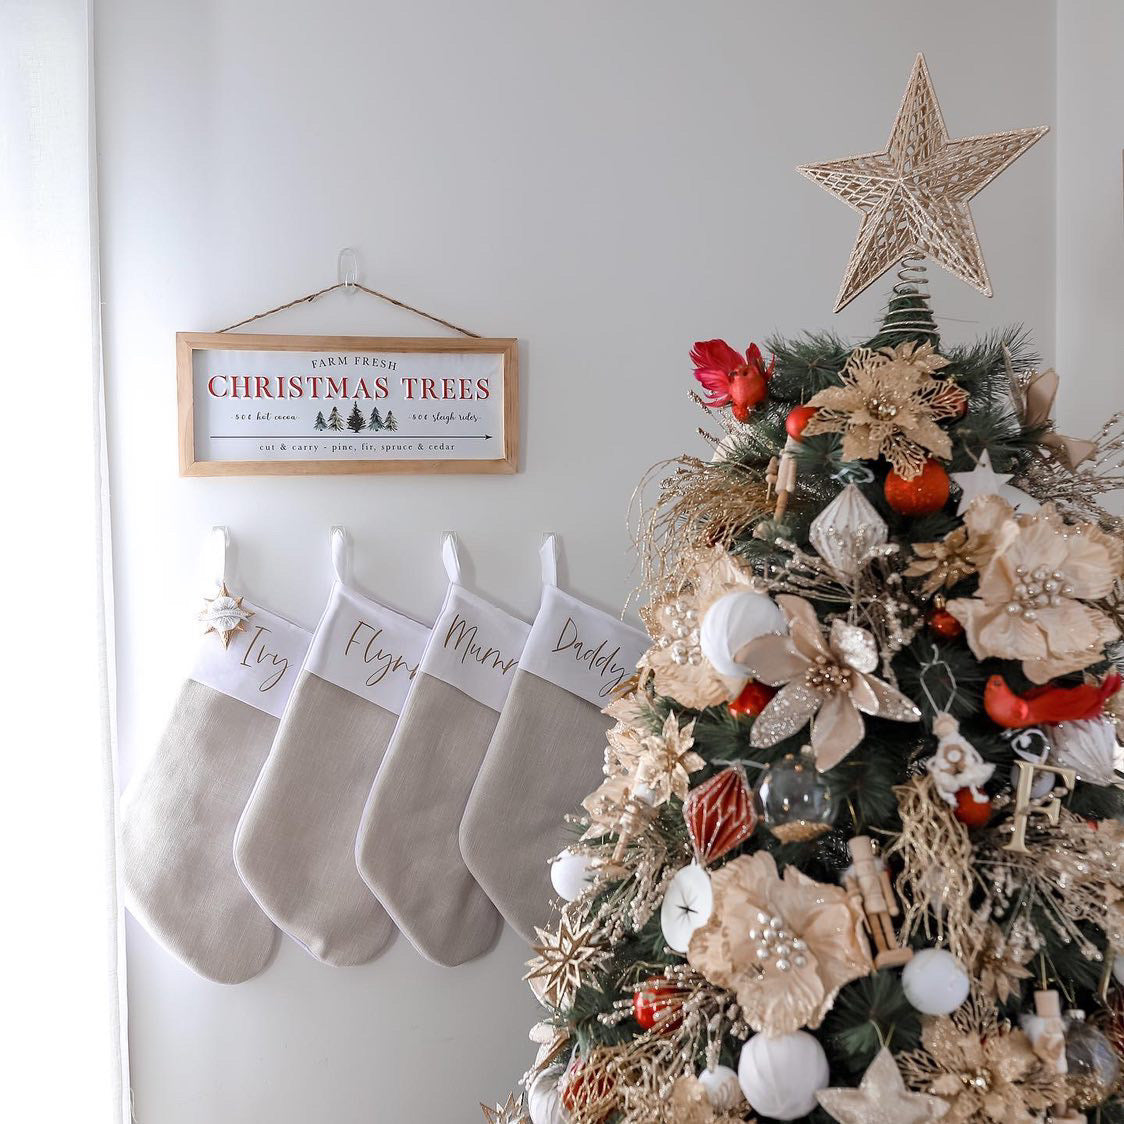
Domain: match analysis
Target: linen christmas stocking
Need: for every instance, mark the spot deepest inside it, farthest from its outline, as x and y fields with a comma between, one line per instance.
x=295, y=847
x=407, y=847
x=548, y=749
x=179, y=814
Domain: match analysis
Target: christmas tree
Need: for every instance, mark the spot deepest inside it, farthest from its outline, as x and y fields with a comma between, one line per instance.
x=319, y=423
x=391, y=421
x=376, y=421
x=355, y=420
x=858, y=853
x=335, y=421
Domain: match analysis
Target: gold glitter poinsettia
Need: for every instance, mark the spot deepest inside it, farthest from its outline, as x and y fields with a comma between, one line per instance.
x=1033, y=598
x=889, y=406
x=982, y=1067
x=607, y=804
x=666, y=762
x=826, y=681
x=675, y=660
x=1000, y=965
x=785, y=946
x=965, y=551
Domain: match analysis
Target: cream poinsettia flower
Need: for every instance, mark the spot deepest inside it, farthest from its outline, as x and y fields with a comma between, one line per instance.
x=608, y=803
x=666, y=762
x=784, y=946
x=824, y=680
x=1032, y=601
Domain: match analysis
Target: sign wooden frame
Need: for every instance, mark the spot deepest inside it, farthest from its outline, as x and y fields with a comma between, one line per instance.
x=188, y=344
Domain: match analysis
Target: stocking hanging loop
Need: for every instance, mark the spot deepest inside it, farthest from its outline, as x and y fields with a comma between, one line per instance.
x=220, y=548
x=340, y=543
x=548, y=557
x=451, y=557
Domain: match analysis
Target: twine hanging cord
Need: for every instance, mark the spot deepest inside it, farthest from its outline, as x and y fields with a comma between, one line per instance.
x=363, y=288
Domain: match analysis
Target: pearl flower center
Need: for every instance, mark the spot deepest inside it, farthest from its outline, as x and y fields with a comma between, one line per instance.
x=773, y=942
x=1035, y=590
x=828, y=677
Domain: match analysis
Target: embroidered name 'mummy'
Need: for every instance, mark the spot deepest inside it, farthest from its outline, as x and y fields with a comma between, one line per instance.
x=372, y=652
x=466, y=644
x=596, y=659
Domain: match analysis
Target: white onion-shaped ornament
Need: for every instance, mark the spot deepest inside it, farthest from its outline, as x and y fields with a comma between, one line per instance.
x=847, y=530
x=1118, y=969
x=722, y=1088
x=687, y=906
x=935, y=982
x=781, y=1076
x=571, y=875
x=544, y=1097
x=731, y=623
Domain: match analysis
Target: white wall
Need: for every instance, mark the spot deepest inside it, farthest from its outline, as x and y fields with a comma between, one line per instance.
x=1090, y=221
x=608, y=182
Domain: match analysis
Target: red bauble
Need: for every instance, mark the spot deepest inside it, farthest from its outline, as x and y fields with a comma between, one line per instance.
x=945, y=625
x=970, y=811
x=753, y=699
x=798, y=418
x=656, y=1000
x=720, y=814
x=924, y=494
x=583, y=1090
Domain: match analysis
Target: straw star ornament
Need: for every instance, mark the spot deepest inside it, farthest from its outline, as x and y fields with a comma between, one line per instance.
x=914, y=195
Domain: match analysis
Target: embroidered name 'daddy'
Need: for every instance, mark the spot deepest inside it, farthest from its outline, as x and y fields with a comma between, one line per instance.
x=367, y=649
x=475, y=647
x=580, y=648
x=261, y=663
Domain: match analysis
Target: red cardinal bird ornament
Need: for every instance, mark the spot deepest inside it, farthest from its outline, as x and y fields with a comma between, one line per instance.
x=1046, y=705
x=729, y=379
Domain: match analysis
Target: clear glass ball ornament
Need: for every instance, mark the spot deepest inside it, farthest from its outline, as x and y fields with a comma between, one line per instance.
x=1092, y=1062
x=796, y=801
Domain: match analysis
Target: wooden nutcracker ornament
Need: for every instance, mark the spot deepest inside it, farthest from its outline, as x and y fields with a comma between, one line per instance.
x=781, y=477
x=869, y=882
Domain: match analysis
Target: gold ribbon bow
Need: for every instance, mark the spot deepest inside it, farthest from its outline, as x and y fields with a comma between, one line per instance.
x=1034, y=403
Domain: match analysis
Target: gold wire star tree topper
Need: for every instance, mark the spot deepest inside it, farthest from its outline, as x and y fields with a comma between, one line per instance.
x=913, y=196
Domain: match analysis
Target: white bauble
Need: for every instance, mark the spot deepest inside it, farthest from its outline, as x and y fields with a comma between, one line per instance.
x=722, y=1088
x=687, y=906
x=781, y=1076
x=571, y=875
x=1118, y=969
x=544, y=1097
x=731, y=623
x=935, y=982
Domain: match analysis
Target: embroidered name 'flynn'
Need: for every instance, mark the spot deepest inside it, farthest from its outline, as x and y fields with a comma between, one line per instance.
x=372, y=652
x=257, y=653
x=595, y=659
x=468, y=647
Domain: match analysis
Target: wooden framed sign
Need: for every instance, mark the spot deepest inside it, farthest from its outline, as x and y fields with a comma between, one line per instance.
x=274, y=405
